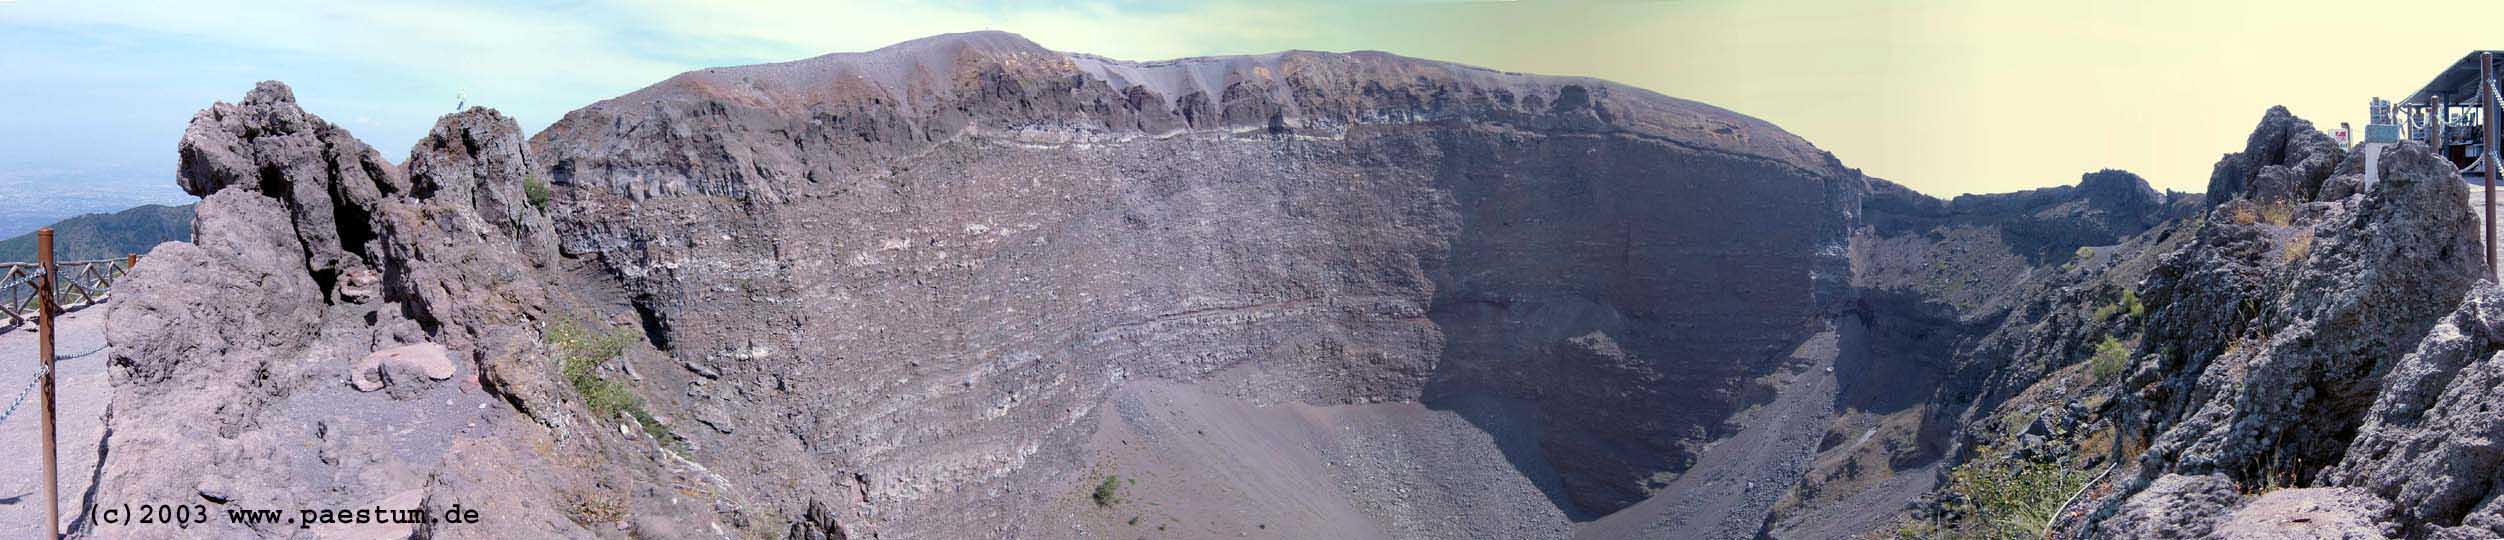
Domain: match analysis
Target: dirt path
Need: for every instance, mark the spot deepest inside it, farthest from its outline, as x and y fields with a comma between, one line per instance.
x=83, y=392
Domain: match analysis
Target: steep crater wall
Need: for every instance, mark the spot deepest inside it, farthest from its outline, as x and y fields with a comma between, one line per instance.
x=920, y=268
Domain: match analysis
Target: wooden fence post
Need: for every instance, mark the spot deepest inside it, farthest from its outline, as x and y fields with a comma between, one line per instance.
x=45, y=311
x=2486, y=150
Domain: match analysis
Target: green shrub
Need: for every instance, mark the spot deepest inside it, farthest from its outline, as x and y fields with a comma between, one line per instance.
x=580, y=353
x=2129, y=304
x=2006, y=498
x=536, y=191
x=2110, y=358
x=1108, y=493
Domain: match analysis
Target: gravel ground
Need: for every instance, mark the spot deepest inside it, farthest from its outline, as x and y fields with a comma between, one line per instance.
x=83, y=392
x=1733, y=484
x=1198, y=465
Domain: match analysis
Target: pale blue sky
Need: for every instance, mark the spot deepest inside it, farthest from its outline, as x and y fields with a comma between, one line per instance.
x=1949, y=96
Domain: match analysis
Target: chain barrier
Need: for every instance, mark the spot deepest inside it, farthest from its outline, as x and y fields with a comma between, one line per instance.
x=29, y=280
x=21, y=395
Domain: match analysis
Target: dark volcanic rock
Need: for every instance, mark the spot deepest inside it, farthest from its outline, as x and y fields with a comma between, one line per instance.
x=2174, y=507
x=2266, y=334
x=2049, y=224
x=2309, y=514
x=2285, y=160
x=2427, y=443
x=2295, y=314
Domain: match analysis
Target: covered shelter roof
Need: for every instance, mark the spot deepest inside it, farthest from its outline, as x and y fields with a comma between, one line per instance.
x=2455, y=84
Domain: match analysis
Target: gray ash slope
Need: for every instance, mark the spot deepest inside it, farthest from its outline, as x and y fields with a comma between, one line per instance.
x=946, y=288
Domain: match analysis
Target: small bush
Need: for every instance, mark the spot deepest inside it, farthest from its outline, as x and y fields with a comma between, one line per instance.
x=580, y=353
x=2278, y=213
x=2299, y=247
x=1108, y=493
x=2110, y=358
x=596, y=509
x=2128, y=304
x=536, y=191
x=2008, y=498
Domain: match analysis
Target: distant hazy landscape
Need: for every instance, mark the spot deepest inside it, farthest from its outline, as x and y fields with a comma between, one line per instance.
x=31, y=197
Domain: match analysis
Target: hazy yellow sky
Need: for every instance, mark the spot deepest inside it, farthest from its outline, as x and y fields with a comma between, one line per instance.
x=1948, y=96
x=1976, y=96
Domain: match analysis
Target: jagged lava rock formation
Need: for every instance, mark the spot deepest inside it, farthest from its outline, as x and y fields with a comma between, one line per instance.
x=233, y=354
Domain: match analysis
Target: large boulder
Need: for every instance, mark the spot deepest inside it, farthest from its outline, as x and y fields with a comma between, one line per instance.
x=2429, y=443
x=2309, y=514
x=2174, y=507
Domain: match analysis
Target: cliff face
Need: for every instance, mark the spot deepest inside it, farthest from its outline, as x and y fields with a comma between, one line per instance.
x=925, y=266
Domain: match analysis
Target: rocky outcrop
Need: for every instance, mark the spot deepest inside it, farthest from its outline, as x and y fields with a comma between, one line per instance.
x=311, y=254
x=2284, y=161
x=2263, y=329
x=2267, y=341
